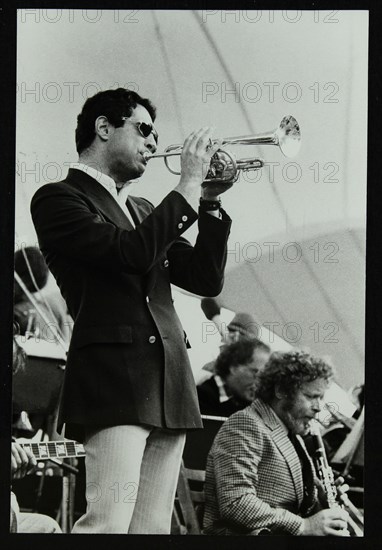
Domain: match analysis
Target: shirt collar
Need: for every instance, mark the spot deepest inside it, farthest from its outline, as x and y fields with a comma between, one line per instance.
x=222, y=393
x=106, y=181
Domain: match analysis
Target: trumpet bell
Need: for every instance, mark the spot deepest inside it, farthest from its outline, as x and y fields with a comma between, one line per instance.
x=289, y=136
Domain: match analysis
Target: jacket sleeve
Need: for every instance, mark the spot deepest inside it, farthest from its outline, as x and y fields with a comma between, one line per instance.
x=236, y=455
x=65, y=223
x=200, y=268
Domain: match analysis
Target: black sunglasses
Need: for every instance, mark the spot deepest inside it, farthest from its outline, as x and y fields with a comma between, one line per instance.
x=144, y=129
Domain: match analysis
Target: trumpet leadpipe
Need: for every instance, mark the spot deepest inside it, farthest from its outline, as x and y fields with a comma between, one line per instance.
x=149, y=156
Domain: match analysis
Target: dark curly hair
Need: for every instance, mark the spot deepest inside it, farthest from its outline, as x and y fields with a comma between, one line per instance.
x=288, y=371
x=113, y=104
x=238, y=353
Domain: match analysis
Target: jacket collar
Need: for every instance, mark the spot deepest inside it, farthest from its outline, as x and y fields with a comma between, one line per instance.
x=283, y=443
x=103, y=199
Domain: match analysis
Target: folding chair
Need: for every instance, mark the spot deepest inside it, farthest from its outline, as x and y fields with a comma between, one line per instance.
x=190, y=489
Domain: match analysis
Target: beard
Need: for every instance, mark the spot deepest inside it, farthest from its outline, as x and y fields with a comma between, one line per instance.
x=299, y=425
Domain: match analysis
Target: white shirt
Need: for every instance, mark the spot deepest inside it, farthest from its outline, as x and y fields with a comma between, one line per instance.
x=119, y=193
x=222, y=393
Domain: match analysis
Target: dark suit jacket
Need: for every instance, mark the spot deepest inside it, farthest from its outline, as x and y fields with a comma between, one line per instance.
x=209, y=401
x=253, y=476
x=127, y=361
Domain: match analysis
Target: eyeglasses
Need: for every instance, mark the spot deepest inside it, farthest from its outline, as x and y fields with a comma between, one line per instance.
x=144, y=129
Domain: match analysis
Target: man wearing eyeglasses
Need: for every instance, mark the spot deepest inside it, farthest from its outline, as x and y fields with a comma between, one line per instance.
x=129, y=392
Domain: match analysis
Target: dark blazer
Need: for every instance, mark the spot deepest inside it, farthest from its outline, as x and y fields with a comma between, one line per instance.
x=127, y=361
x=254, y=476
x=209, y=400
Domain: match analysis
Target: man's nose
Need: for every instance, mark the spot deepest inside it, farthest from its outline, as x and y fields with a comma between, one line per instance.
x=233, y=336
x=317, y=405
x=254, y=373
x=150, y=143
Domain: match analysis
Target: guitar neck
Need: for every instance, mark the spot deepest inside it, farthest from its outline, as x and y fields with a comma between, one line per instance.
x=55, y=449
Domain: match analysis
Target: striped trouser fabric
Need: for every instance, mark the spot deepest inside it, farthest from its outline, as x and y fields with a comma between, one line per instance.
x=131, y=477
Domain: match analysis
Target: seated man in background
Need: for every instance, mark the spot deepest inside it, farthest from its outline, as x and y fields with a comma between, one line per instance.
x=22, y=463
x=232, y=387
x=259, y=477
x=242, y=327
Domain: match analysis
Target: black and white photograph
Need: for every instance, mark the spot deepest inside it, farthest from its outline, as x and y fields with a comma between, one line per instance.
x=189, y=272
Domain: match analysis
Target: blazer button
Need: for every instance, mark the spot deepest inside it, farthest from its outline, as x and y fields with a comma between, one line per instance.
x=184, y=218
x=147, y=299
x=152, y=339
x=180, y=225
x=165, y=263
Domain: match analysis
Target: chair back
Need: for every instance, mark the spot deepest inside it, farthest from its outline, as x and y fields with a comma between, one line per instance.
x=192, y=475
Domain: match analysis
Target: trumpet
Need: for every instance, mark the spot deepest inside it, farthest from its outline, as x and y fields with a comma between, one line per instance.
x=225, y=168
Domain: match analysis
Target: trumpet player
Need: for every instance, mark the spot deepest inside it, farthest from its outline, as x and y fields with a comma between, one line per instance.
x=129, y=393
x=259, y=477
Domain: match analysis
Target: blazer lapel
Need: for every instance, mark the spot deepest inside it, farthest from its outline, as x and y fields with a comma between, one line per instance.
x=139, y=214
x=284, y=445
x=100, y=197
x=136, y=213
x=286, y=448
x=302, y=443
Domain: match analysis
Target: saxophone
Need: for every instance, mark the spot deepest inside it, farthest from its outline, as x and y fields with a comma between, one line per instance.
x=326, y=476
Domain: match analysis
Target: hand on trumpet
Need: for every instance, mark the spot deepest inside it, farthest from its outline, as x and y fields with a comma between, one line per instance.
x=195, y=161
x=218, y=168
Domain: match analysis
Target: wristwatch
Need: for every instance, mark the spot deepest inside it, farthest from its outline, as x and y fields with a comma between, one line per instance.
x=207, y=205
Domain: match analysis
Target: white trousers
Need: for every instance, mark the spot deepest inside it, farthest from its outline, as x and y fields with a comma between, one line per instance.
x=131, y=479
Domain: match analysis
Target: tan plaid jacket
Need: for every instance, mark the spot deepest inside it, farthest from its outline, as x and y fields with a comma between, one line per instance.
x=253, y=476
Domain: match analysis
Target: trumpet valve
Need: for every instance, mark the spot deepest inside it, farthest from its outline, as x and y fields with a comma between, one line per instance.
x=222, y=165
